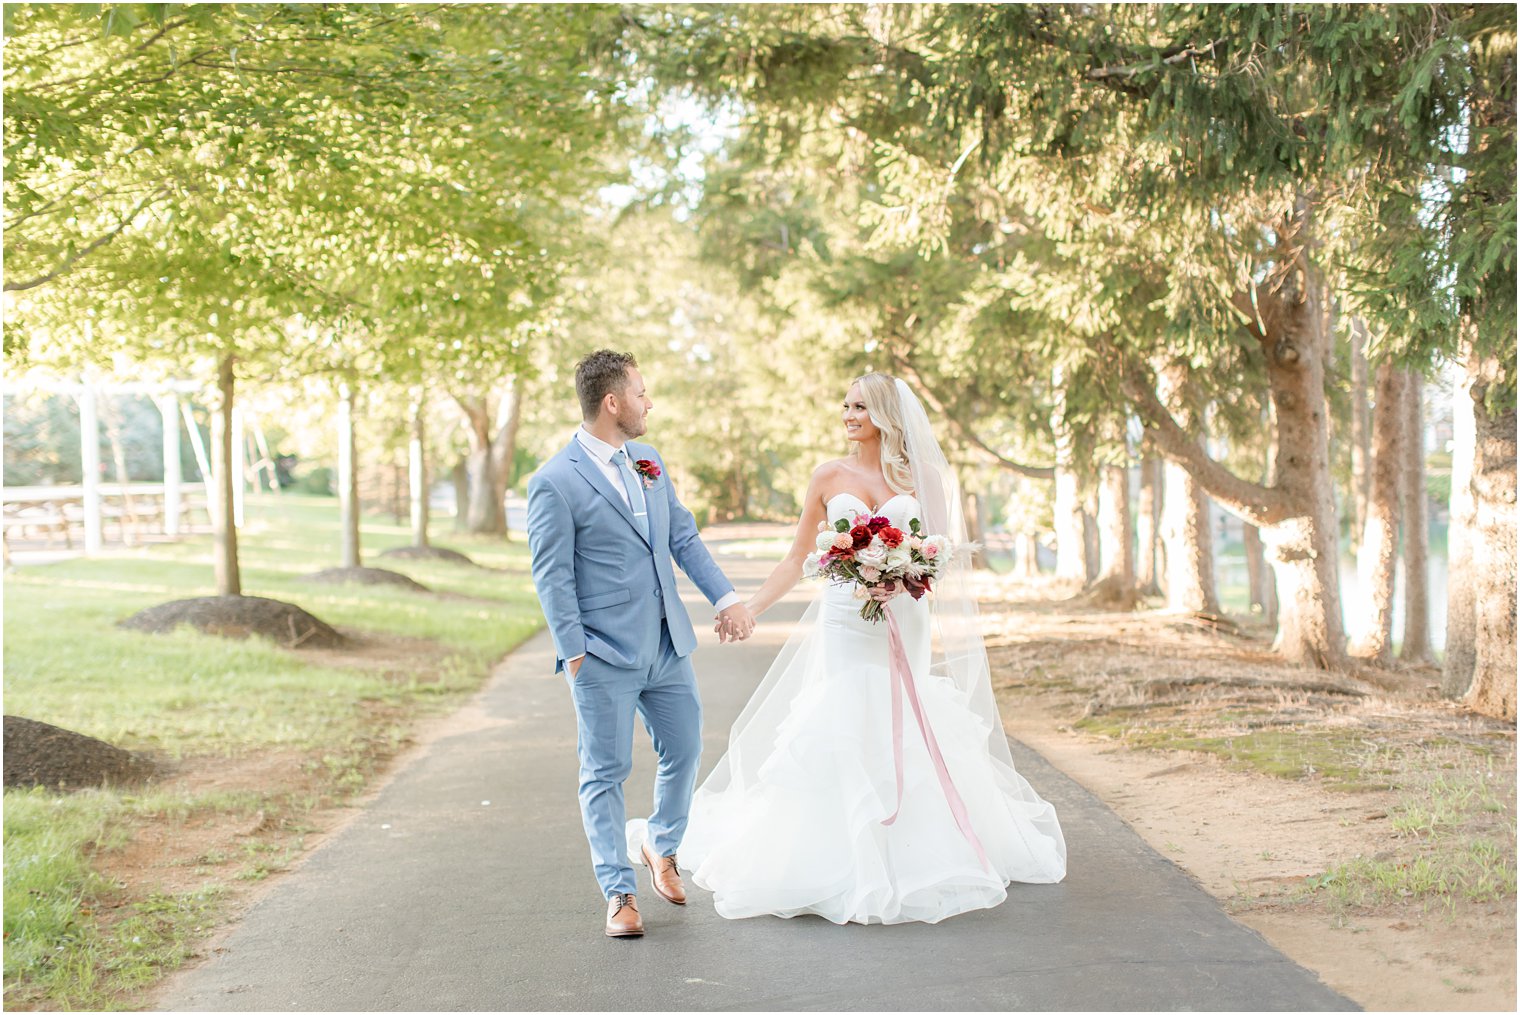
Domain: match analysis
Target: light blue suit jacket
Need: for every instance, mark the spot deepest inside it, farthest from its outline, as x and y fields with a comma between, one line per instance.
x=602, y=586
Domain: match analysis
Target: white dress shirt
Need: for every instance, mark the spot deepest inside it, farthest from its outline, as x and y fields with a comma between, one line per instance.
x=601, y=453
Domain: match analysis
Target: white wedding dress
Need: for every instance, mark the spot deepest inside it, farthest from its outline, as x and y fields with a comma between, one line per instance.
x=791, y=819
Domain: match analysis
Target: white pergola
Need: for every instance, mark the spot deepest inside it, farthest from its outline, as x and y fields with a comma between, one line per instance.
x=169, y=396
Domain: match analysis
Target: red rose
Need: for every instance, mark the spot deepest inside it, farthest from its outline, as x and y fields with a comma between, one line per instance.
x=893, y=537
x=649, y=471
x=861, y=535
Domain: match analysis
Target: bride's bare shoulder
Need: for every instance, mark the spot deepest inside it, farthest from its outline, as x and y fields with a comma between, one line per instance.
x=826, y=479
x=829, y=474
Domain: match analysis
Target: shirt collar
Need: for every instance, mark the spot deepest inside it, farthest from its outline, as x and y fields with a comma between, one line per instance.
x=594, y=444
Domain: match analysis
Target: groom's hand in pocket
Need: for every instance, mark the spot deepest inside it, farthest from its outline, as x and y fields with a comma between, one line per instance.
x=574, y=665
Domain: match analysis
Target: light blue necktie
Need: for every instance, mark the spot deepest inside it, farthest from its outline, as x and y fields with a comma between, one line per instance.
x=635, y=487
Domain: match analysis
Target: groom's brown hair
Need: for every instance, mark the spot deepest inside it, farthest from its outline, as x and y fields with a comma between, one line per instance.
x=599, y=374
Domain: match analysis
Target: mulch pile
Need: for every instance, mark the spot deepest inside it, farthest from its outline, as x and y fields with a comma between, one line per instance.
x=239, y=617
x=364, y=576
x=429, y=553
x=40, y=754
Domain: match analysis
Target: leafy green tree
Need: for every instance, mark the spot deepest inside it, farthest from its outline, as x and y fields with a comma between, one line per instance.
x=1201, y=172
x=332, y=189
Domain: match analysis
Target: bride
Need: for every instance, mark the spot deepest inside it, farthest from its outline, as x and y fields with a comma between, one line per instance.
x=836, y=799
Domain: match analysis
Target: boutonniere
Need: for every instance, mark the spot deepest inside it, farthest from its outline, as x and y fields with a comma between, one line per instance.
x=648, y=471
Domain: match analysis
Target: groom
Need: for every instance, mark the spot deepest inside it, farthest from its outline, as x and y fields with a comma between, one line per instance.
x=604, y=525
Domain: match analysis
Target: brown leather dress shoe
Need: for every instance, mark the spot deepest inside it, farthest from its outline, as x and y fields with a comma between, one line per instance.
x=664, y=876
x=623, y=919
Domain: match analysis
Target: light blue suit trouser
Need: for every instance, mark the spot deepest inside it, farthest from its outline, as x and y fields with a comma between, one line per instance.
x=606, y=698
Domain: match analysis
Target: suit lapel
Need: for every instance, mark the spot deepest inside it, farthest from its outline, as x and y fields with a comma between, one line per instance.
x=593, y=474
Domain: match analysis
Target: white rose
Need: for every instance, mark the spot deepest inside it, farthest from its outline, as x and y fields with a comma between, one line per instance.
x=810, y=565
x=898, y=557
x=873, y=554
x=825, y=540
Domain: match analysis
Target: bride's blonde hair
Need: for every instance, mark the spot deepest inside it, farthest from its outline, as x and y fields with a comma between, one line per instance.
x=879, y=392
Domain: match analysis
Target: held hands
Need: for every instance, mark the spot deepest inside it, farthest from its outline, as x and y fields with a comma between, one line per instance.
x=735, y=623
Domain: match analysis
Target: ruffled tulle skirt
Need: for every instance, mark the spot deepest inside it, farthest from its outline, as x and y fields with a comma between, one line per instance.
x=791, y=820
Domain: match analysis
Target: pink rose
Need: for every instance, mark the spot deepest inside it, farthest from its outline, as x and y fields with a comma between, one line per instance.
x=934, y=546
x=870, y=574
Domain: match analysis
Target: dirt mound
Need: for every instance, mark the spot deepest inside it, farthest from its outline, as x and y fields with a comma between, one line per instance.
x=239, y=617
x=429, y=553
x=40, y=754
x=364, y=576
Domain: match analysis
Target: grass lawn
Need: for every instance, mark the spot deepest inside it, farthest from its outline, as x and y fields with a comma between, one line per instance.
x=76, y=937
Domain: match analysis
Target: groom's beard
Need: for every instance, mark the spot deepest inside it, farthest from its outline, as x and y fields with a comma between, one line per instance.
x=632, y=427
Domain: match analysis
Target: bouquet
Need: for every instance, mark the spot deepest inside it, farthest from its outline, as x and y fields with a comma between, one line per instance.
x=879, y=559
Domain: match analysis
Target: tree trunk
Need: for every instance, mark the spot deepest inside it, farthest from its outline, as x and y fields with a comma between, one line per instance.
x=490, y=460
x=1262, y=588
x=505, y=449
x=1185, y=528
x=1071, y=536
x=417, y=473
x=1461, y=604
x=1256, y=566
x=1416, y=642
x=1027, y=562
x=400, y=478
x=1189, y=542
x=975, y=514
x=1361, y=431
x=738, y=495
x=483, y=513
x=1302, y=547
x=1090, y=551
x=229, y=580
x=348, y=477
x=1380, y=539
x=1115, y=583
x=1296, y=514
x=1148, y=527
x=1493, y=557
x=459, y=475
x=1268, y=596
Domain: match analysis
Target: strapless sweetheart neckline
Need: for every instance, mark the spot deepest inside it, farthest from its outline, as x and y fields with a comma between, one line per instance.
x=874, y=510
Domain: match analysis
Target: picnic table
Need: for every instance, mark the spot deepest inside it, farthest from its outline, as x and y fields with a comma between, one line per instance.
x=53, y=511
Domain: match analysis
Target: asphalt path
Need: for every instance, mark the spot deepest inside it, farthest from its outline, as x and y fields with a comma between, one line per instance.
x=465, y=884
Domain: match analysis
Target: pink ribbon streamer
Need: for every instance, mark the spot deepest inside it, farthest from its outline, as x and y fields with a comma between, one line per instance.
x=901, y=676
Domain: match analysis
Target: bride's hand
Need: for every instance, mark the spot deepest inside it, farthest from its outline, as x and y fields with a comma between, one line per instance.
x=885, y=593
